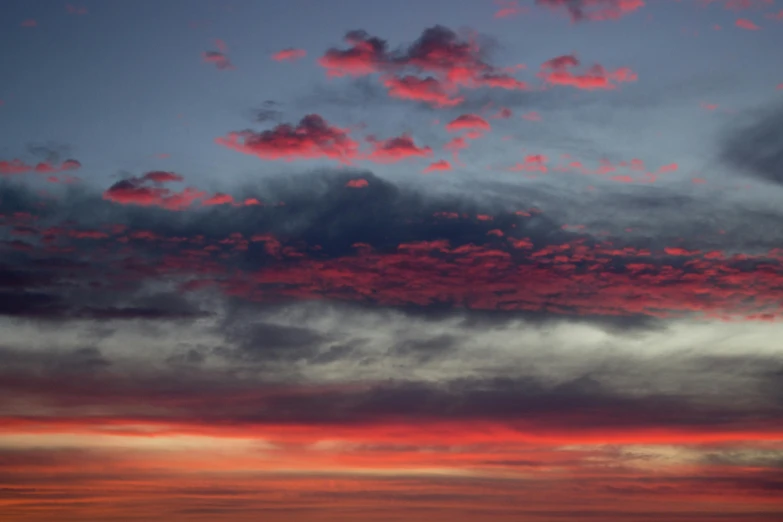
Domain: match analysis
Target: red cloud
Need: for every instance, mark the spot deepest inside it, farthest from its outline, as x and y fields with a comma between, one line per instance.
x=532, y=163
x=775, y=16
x=218, y=199
x=509, y=9
x=289, y=54
x=428, y=90
x=29, y=23
x=557, y=71
x=161, y=177
x=357, y=183
x=676, y=251
x=449, y=61
x=312, y=138
x=19, y=167
x=148, y=191
x=596, y=10
x=468, y=122
x=366, y=55
x=744, y=23
x=395, y=149
x=438, y=166
x=219, y=57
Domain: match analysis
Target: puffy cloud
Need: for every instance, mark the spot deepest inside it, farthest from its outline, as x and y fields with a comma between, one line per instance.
x=446, y=61
x=365, y=55
x=557, y=71
x=312, y=138
x=427, y=90
x=148, y=190
x=396, y=149
x=471, y=122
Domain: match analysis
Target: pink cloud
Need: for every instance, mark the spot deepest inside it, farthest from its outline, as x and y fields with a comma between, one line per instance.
x=438, y=166
x=289, y=54
x=428, y=90
x=148, y=190
x=395, y=149
x=558, y=71
x=312, y=138
x=468, y=122
x=744, y=23
x=17, y=166
x=509, y=9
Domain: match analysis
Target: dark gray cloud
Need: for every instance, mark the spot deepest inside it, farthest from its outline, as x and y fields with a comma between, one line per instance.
x=756, y=148
x=82, y=257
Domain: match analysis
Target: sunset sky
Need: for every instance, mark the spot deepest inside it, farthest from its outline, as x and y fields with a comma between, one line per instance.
x=354, y=260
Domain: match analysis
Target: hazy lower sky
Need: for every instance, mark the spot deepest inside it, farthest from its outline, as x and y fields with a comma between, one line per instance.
x=406, y=261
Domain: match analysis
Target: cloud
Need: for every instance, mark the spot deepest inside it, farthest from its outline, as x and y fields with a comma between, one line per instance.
x=757, y=148
x=557, y=71
x=412, y=257
x=148, y=190
x=447, y=61
x=509, y=9
x=594, y=10
x=395, y=149
x=219, y=58
x=366, y=55
x=503, y=113
x=472, y=122
x=357, y=183
x=744, y=23
x=438, y=166
x=289, y=54
x=16, y=166
x=427, y=90
x=312, y=138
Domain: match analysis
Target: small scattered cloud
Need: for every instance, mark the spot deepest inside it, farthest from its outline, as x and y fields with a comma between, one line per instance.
x=288, y=55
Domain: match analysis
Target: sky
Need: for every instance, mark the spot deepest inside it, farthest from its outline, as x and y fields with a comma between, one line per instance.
x=453, y=260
